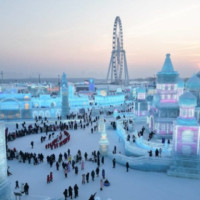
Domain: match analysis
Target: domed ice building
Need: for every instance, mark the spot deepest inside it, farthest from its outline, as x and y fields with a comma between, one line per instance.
x=193, y=85
x=165, y=106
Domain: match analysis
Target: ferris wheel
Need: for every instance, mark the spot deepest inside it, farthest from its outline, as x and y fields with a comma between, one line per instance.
x=118, y=58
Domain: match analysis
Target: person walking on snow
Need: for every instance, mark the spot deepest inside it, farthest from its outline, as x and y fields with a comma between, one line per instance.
x=16, y=184
x=32, y=144
x=70, y=192
x=51, y=176
x=76, y=190
x=101, y=184
x=26, y=188
x=97, y=171
x=114, y=161
x=83, y=178
x=87, y=177
x=127, y=166
x=82, y=165
x=103, y=173
x=93, y=174
x=102, y=159
x=65, y=172
x=65, y=194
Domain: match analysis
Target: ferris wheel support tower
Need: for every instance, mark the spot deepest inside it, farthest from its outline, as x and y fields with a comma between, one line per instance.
x=118, y=64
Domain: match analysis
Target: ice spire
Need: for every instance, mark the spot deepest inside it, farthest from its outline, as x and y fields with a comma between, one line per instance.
x=167, y=66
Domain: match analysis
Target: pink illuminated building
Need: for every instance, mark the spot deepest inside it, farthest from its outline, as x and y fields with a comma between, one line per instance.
x=186, y=128
x=141, y=105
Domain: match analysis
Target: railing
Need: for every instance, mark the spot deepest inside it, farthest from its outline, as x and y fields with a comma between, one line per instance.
x=142, y=145
x=143, y=162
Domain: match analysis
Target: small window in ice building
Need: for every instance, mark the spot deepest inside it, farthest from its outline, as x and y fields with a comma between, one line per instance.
x=191, y=112
x=184, y=112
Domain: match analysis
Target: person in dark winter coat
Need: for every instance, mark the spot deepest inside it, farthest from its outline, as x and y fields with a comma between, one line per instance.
x=97, y=171
x=115, y=150
x=114, y=161
x=156, y=153
x=70, y=192
x=103, y=173
x=127, y=166
x=102, y=159
x=92, y=196
x=32, y=144
x=65, y=193
x=87, y=177
x=73, y=164
x=57, y=165
x=93, y=174
x=76, y=170
x=16, y=184
x=98, y=162
x=26, y=188
x=85, y=155
x=76, y=190
x=150, y=153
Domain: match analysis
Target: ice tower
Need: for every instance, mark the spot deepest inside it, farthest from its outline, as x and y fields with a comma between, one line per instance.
x=5, y=193
x=65, y=98
x=166, y=107
x=103, y=142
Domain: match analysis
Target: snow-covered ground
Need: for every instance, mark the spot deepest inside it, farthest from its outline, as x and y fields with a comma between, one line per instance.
x=124, y=185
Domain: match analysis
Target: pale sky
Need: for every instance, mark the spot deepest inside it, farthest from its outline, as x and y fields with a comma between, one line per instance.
x=75, y=36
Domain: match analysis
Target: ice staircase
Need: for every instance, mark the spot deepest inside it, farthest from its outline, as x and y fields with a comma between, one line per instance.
x=185, y=167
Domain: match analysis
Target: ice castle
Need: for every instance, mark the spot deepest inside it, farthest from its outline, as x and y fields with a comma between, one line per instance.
x=14, y=105
x=165, y=108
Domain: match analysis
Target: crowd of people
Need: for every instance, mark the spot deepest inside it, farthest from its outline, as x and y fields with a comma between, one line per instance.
x=68, y=162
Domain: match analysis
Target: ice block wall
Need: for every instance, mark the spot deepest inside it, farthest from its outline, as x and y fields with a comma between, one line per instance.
x=5, y=193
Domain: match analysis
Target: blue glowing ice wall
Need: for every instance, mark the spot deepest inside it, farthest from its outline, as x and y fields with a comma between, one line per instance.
x=5, y=193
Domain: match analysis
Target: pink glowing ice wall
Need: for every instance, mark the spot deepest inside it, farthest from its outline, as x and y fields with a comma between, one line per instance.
x=141, y=104
x=186, y=129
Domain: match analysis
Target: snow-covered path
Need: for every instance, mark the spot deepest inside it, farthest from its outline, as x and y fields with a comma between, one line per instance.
x=132, y=185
